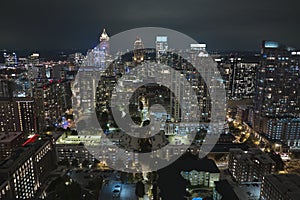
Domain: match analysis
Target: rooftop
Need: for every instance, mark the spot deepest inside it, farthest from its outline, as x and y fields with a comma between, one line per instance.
x=252, y=155
x=287, y=184
x=21, y=154
x=7, y=137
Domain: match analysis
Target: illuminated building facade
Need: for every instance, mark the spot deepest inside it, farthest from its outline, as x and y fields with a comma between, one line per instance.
x=239, y=76
x=98, y=56
x=27, y=169
x=276, y=101
x=161, y=45
x=280, y=186
x=17, y=115
x=138, y=52
x=11, y=59
x=249, y=166
x=205, y=178
x=51, y=102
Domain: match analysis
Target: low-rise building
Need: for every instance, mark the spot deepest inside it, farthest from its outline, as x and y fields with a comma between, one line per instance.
x=280, y=187
x=250, y=166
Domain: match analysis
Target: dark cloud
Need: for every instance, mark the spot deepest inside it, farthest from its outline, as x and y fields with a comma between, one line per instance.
x=222, y=24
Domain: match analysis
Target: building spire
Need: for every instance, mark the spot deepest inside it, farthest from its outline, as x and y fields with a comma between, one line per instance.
x=104, y=36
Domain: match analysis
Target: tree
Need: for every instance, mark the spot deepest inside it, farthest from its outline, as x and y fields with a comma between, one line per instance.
x=152, y=177
x=140, y=189
x=85, y=163
x=124, y=177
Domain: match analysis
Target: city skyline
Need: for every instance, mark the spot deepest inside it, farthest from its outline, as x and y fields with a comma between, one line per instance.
x=149, y=100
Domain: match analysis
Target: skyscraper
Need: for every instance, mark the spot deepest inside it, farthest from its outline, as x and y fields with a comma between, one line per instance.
x=17, y=115
x=161, y=45
x=239, y=76
x=11, y=60
x=138, y=52
x=104, y=49
x=98, y=56
x=51, y=102
x=27, y=169
x=277, y=94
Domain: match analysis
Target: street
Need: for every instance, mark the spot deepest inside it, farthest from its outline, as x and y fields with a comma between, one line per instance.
x=127, y=192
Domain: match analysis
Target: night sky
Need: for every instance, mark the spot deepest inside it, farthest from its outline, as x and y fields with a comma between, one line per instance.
x=77, y=24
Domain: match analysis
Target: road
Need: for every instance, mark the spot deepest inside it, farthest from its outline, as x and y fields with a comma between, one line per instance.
x=127, y=192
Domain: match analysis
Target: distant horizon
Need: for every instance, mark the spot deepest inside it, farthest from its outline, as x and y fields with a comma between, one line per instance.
x=85, y=49
x=54, y=54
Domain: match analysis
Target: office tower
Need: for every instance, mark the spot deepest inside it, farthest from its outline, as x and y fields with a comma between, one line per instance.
x=277, y=97
x=242, y=80
x=9, y=141
x=200, y=49
x=280, y=186
x=138, y=52
x=11, y=59
x=161, y=45
x=99, y=56
x=17, y=115
x=52, y=100
x=27, y=169
x=238, y=75
x=34, y=59
x=76, y=59
x=249, y=166
x=104, y=49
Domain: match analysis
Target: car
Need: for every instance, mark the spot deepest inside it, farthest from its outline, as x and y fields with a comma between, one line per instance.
x=116, y=193
x=118, y=187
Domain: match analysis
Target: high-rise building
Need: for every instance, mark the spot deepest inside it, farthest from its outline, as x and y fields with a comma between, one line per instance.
x=161, y=45
x=17, y=115
x=277, y=96
x=249, y=166
x=98, y=56
x=11, y=59
x=26, y=170
x=239, y=76
x=9, y=141
x=243, y=80
x=280, y=186
x=52, y=100
x=138, y=52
